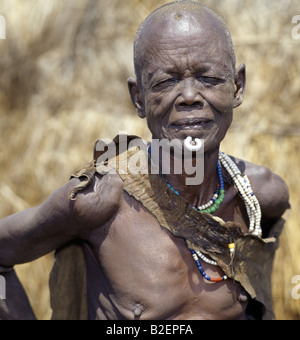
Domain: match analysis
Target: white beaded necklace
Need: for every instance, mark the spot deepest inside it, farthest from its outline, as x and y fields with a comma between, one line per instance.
x=243, y=185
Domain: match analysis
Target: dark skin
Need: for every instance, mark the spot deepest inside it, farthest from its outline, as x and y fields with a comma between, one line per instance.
x=135, y=268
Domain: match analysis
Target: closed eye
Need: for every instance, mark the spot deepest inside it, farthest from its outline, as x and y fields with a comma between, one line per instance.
x=165, y=83
x=211, y=80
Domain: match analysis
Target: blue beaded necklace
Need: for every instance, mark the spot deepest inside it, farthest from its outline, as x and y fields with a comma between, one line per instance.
x=218, y=197
x=209, y=207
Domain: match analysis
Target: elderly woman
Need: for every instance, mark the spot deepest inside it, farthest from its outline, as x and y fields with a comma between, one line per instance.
x=150, y=246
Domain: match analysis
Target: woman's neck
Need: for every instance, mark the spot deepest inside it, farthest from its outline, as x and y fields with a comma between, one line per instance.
x=199, y=186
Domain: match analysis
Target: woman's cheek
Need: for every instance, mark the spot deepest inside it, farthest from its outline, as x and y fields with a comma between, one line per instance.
x=157, y=106
x=221, y=101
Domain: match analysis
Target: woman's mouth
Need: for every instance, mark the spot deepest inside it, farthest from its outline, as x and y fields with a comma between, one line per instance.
x=190, y=124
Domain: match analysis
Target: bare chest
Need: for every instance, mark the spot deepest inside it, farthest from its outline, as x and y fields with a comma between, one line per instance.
x=147, y=273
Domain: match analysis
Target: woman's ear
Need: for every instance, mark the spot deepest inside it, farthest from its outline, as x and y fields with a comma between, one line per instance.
x=240, y=83
x=135, y=95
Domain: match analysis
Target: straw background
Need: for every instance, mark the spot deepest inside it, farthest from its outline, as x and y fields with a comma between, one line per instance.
x=64, y=66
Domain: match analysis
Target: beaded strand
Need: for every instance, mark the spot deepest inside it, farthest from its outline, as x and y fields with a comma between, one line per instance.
x=208, y=278
x=205, y=259
x=218, y=197
x=214, y=203
x=243, y=185
x=210, y=207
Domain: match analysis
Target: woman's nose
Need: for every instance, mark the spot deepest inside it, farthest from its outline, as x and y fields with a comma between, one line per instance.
x=189, y=94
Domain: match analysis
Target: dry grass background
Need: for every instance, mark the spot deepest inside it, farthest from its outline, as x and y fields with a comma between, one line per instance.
x=64, y=66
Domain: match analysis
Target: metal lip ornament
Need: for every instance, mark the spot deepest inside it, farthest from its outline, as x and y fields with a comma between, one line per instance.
x=192, y=144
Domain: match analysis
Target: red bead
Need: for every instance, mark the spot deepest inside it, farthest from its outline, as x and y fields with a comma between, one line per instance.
x=218, y=279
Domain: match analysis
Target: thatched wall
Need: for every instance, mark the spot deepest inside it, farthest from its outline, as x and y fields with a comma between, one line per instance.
x=64, y=66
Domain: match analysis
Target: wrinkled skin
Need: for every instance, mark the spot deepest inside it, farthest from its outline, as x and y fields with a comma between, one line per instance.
x=135, y=268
